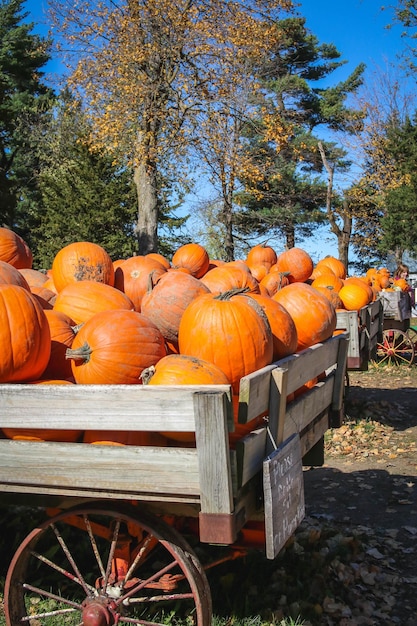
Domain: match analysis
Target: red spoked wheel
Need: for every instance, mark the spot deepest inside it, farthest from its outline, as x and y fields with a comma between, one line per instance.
x=396, y=348
x=104, y=564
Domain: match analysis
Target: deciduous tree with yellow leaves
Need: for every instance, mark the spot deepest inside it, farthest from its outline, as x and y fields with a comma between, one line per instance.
x=145, y=68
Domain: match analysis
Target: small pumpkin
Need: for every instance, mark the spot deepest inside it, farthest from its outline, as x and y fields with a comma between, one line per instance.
x=193, y=257
x=63, y=330
x=10, y=275
x=181, y=369
x=132, y=277
x=261, y=254
x=284, y=331
x=354, y=295
x=296, y=263
x=336, y=265
x=228, y=277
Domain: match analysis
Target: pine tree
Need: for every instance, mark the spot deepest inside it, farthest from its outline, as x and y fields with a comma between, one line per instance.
x=23, y=99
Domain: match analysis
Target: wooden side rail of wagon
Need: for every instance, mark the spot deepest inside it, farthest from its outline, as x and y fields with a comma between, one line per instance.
x=365, y=331
x=209, y=479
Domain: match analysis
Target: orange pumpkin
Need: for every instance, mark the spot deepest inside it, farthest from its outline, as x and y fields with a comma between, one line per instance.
x=334, y=264
x=114, y=347
x=160, y=258
x=229, y=331
x=34, y=278
x=354, y=295
x=261, y=254
x=24, y=336
x=63, y=331
x=296, y=263
x=45, y=297
x=274, y=281
x=328, y=280
x=228, y=277
x=314, y=316
x=9, y=275
x=82, y=260
x=132, y=277
x=283, y=329
x=165, y=302
x=80, y=301
x=14, y=250
x=193, y=257
x=331, y=295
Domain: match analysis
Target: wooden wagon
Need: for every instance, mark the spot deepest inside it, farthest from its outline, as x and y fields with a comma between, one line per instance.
x=113, y=546
x=365, y=333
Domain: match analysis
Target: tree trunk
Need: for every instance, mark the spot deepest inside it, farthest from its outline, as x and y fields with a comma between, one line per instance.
x=147, y=225
x=343, y=234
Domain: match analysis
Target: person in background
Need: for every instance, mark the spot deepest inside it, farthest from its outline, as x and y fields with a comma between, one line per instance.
x=403, y=271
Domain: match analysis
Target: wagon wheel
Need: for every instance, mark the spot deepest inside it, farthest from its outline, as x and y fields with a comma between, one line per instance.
x=396, y=348
x=104, y=564
x=412, y=334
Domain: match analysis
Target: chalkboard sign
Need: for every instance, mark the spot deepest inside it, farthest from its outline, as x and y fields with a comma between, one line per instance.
x=283, y=494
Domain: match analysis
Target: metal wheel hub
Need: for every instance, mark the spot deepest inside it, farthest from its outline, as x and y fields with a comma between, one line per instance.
x=97, y=612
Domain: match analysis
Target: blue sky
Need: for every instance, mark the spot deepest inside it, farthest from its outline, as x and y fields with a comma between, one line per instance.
x=358, y=30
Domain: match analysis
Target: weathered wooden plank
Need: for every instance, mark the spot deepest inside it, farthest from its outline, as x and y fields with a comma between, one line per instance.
x=216, y=494
x=250, y=451
x=254, y=394
x=103, y=407
x=77, y=468
x=303, y=410
x=309, y=363
x=279, y=393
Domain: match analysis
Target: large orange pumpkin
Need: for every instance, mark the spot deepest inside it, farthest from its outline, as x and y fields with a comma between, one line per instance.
x=14, y=250
x=165, y=302
x=82, y=260
x=192, y=257
x=230, y=331
x=314, y=316
x=114, y=347
x=132, y=277
x=24, y=335
x=80, y=301
x=296, y=263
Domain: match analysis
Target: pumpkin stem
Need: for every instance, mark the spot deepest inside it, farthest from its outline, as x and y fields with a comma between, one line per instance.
x=82, y=353
x=147, y=374
x=226, y=295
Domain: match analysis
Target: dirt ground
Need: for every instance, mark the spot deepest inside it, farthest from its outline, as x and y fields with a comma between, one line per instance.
x=352, y=561
x=369, y=484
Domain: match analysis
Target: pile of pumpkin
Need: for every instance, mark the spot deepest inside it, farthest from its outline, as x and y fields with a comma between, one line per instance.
x=148, y=320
